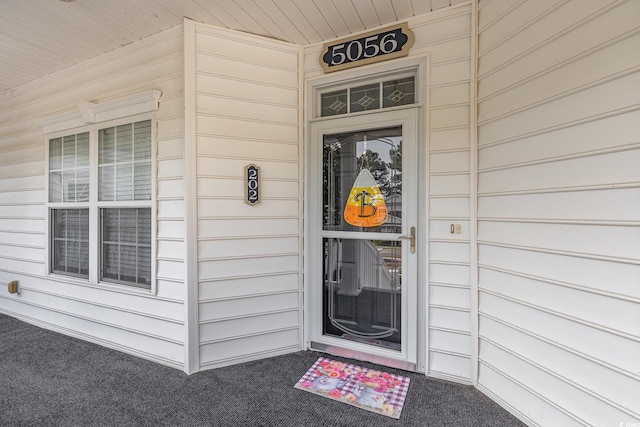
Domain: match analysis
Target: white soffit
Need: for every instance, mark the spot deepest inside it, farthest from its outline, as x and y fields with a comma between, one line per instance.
x=39, y=37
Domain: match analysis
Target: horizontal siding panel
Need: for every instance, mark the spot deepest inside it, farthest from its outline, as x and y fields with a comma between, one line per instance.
x=247, y=266
x=448, y=95
x=170, y=168
x=23, y=225
x=211, y=249
x=602, y=134
x=247, y=148
x=617, y=22
x=122, y=339
x=21, y=197
x=450, y=184
x=247, y=306
x=613, y=168
x=581, y=105
x=622, y=204
x=23, y=253
x=520, y=13
x=170, y=249
x=171, y=269
x=170, y=208
x=258, y=73
x=22, y=211
x=224, y=208
x=248, y=227
x=449, y=207
x=243, y=346
x=23, y=183
x=449, y=274
x=520, y=398
x=450, y=72
x=449, y=364
x=171, y=128
x=170, y=229
x=234, y=168
x=612, y=349
x=229, y=87
x=9, y=237
x=248, y=286
x=449, y=252
x=247, y=109
x=246, y=48
x=170, y=290
x=450, y=296
x=610, y=312
x=17, y=156
x=537, y=33
x=107, y=315
x=591, y=409
x=25, y=169
x=599, y=275
x=453, y=116
x=243, y=129
x=607, y=383
x=582, y=72
x=444, y=318
x=595, y=240
x=449, y=162
x=443, y=29
x=450, y=341
x=227, y=329
x=440, y=51
x=169, y=147
x=168, y=188
x=448, y=139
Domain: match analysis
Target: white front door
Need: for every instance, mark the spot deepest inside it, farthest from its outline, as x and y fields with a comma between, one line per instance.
x=362, y=266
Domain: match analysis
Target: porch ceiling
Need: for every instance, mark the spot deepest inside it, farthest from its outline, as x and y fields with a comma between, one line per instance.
x=39, y=37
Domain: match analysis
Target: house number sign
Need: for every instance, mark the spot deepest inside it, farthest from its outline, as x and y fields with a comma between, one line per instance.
x=380, y=45
x=252, y=181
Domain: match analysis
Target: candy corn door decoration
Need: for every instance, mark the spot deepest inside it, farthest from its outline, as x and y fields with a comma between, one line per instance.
x=365, y=205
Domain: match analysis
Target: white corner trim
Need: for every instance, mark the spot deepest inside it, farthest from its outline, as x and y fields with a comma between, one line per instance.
x=95, y=112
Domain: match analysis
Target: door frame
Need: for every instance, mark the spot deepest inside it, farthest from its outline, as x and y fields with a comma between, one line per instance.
x=418, y=65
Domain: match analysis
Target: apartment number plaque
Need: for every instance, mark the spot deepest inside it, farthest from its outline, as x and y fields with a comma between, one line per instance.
x=252, y=181
x=375, y=46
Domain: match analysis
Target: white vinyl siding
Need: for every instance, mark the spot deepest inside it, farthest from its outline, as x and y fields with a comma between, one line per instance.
x=445, y=38
x=147, y=325
x=248, y=257
x=559, y=197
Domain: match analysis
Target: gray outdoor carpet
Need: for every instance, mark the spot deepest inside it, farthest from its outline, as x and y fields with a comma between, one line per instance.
x=49, y=379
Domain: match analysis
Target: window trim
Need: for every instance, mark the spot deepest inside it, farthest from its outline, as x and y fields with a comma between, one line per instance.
x=94, y=205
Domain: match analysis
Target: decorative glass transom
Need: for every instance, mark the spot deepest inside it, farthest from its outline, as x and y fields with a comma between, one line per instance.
x=372, y=96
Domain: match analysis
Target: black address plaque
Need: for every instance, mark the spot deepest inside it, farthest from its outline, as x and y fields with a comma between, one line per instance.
x=375, y=46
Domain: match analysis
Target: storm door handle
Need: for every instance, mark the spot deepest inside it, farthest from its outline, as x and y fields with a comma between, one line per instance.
x=412, y=240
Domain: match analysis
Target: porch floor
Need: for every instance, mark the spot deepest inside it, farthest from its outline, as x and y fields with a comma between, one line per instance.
x=49, y=379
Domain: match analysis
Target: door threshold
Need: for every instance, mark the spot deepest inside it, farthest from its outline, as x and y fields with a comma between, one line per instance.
x=361, y=355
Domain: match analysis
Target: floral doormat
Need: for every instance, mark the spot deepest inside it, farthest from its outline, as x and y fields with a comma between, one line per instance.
x=368, y=389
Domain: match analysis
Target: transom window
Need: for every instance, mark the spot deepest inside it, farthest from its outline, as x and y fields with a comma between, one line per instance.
x=111, y=217
x=390, y=92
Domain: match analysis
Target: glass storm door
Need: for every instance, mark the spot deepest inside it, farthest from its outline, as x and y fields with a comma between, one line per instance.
x=364, y=261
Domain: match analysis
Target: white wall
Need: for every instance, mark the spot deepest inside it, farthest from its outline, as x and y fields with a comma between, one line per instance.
x=149, y=326
x=445, y=37
x=248, y=257
x=559, y=209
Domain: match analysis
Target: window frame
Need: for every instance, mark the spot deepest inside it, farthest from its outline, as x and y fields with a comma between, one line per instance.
x=94, y=206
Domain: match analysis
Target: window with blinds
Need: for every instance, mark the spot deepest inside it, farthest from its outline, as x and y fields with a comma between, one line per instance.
x=120, y=203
